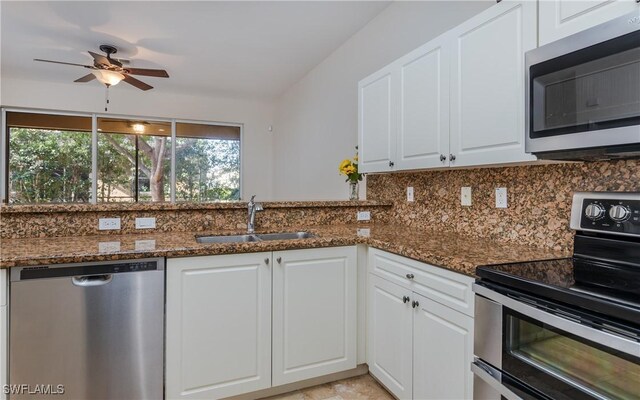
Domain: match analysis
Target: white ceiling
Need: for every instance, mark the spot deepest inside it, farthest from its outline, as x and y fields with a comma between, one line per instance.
x=229, y=48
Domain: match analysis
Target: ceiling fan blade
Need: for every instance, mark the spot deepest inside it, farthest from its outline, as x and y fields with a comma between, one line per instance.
x=137, y=83
x=62, y=62
x=160, y=73
x=100, y=59
x=86, y=78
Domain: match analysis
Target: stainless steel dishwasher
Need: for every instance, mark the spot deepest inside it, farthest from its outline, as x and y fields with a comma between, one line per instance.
x=95, y=328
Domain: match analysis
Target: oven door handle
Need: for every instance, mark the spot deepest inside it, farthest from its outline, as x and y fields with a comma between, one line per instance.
x=575, y=328
x=492, y=377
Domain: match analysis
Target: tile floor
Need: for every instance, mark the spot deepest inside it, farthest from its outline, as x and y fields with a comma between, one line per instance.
x=359, y=388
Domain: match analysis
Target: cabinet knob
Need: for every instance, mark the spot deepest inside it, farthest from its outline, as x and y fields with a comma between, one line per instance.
x=405, y=299
x=443, y=158
x=279, y=260
x=415, y=304
x=391, y=164
x=266, y=261
x=410, y=276
x=452, y=157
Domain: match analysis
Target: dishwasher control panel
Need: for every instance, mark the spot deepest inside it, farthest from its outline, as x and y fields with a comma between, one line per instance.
x=86, y=269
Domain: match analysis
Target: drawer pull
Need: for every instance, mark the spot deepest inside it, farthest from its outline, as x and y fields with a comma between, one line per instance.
x=410, y=276
x=415, y=304
x=405, y=299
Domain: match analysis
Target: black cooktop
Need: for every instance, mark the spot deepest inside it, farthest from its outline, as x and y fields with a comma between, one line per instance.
x=562, y=281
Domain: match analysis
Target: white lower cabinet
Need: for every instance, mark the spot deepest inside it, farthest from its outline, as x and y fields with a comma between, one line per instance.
x=218, y=325
x=222, y=310
x=389, y=336
x=417, y=346
x=314, y=313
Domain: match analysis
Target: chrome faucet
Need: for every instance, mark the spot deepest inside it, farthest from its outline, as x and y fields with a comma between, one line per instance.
x=252, y=208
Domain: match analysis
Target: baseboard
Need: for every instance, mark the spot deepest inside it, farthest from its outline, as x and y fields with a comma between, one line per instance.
x=274, y=391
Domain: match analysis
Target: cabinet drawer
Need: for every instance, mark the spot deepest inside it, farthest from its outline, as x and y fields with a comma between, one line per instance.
x=443, y=286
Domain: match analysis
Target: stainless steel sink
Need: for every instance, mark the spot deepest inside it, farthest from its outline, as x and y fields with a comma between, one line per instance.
x=227, y=239
x=285, y=236
x=253, y=238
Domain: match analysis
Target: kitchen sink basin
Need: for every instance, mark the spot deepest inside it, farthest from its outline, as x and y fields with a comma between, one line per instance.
x=285, y=236
x=253, y=238
x=227, y=239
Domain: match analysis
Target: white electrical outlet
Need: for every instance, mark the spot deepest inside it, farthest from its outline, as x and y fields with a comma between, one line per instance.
x=364, y=232
x=108, y=247
x=146, y=223
x=501, y=197
x=410, y=193
x=465, y=196
x=106, y=224
x=145, y=245
x=364, y=215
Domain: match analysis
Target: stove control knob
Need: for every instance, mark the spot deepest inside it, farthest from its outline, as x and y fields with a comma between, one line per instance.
x=619, y=213
x=594, y=211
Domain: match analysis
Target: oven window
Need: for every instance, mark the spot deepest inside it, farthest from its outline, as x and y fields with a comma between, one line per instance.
x=590, y=89
x=573, y=361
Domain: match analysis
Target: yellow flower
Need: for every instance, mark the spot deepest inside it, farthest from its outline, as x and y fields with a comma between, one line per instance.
x=343, y=165
x=349, y=170
x=355, y=158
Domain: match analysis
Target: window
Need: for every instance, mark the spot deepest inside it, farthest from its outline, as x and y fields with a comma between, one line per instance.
x=50, y=160
x=207, y=162
x=134, y=160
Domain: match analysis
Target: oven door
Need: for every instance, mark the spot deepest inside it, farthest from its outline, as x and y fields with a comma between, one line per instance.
x=582, y=91
x=548, y=356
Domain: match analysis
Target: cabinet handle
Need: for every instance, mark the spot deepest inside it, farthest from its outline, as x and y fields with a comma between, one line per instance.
x=443, y=158
x=410, y=276
x=266, y=261
x=415, y=304
x=279, y=260
x=452, y=157
x=391, y=164
x=405, y=299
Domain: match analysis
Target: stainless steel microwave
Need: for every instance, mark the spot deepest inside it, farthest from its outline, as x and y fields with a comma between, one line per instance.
x=583, y=94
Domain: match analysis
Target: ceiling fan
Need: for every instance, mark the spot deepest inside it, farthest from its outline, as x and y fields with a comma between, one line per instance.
x=110, y=71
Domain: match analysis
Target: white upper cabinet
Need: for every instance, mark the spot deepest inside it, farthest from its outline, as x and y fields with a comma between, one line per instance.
x=561, y=18
x=218, y=323
x=376, y=122
x=423, y=109
x=487, y=85
x=458, y=100
x=314, y=313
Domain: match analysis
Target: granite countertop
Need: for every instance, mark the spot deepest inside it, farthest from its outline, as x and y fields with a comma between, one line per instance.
x=447, y=250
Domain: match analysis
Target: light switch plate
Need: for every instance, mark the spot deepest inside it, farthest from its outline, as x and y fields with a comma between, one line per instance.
x=108, y=247
x=501, y=197
x=106, y=224
x=145, y=244
x=465, y=196
x=364, y=215
x=146, y=223
x=410, y=193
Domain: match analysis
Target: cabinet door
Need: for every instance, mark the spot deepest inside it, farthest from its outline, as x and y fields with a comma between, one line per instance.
x=487, y=84
x=314, y=313
x=423, y=120
x=561, y=18
x=442, y=352
x=218, y=325
x=389, y=336
x=377, y=121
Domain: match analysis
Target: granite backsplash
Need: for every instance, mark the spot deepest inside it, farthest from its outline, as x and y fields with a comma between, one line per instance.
x=82, y=219
x=539, y=199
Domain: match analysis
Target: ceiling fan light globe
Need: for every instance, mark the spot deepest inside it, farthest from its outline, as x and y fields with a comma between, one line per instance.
x=107, y=77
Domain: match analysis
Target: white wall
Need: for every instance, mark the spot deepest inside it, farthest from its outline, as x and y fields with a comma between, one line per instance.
x=316, y=119
x=255, y=115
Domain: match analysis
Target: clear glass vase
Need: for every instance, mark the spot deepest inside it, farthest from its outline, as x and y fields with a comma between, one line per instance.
x=354, y=191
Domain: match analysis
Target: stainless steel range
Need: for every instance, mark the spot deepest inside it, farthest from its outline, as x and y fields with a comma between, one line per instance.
x=570, y=328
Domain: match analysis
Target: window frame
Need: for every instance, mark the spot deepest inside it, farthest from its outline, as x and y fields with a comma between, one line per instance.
x=93, y=199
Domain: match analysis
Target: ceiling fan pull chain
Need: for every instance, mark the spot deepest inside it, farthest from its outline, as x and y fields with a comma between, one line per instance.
x=106, y=98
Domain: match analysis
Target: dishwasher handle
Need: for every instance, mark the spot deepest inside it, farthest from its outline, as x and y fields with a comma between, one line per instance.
x=92, y=280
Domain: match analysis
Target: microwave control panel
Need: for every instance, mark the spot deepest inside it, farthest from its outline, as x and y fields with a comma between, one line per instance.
x=616, y=216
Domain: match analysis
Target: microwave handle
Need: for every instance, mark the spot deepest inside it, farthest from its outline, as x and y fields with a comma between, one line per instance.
x=492, y=377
